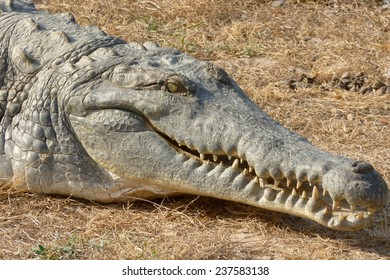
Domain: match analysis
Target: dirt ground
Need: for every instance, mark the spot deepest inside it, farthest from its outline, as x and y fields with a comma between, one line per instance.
x=291, y=59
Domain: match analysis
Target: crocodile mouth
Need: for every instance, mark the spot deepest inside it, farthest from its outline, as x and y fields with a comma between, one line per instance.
x=227, y=176
x=306, y=199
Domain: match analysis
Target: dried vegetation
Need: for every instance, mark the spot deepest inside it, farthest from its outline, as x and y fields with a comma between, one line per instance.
x=290, y=59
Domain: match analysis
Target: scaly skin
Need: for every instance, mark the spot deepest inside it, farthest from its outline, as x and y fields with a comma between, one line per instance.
x=89, y=115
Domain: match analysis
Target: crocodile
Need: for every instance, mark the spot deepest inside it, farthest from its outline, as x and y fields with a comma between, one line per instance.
x=88, y=115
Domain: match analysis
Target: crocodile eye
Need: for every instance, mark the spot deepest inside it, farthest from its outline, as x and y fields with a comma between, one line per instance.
x=174, y=86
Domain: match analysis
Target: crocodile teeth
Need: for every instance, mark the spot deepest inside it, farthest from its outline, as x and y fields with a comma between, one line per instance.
x=276, y=183
x=250, y=169
x=262, y=182
x=256, y=179
x=289, y=183
x=235, y=164
x=304, y=194
x=215, y=158
x=324, y=192
x=315, y=195
x=202, y=156
x=342, y=217
x=360, y=216
x=336, y=204
x=245, y=172
x=229, y=157
x=299, y=184
x=327, y=210
x=294, y=192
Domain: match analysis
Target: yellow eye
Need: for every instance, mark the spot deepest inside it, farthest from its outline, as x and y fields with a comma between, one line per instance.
x=172, y=87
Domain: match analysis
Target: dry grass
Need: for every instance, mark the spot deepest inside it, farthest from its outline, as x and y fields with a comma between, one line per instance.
x=260, y=45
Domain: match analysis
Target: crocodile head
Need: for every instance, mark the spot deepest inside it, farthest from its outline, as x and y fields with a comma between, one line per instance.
x=163, y=123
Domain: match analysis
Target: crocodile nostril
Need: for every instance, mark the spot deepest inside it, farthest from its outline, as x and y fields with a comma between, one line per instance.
x=361, y=167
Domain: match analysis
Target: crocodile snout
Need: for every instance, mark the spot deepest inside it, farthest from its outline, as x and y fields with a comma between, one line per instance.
x=361, y=167
x=358, y=184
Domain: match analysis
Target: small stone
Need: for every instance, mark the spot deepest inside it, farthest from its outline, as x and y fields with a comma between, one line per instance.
x=292, y=84
x=278, y=3
x=302, y=77
x=344, y=84
x=381, y=91
x=364, y=89
x=350, y=117
x=359, y=79
x=359, y=74
x=378, y=84
x=310, y=79
x=351, y=87
x=345, y=76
